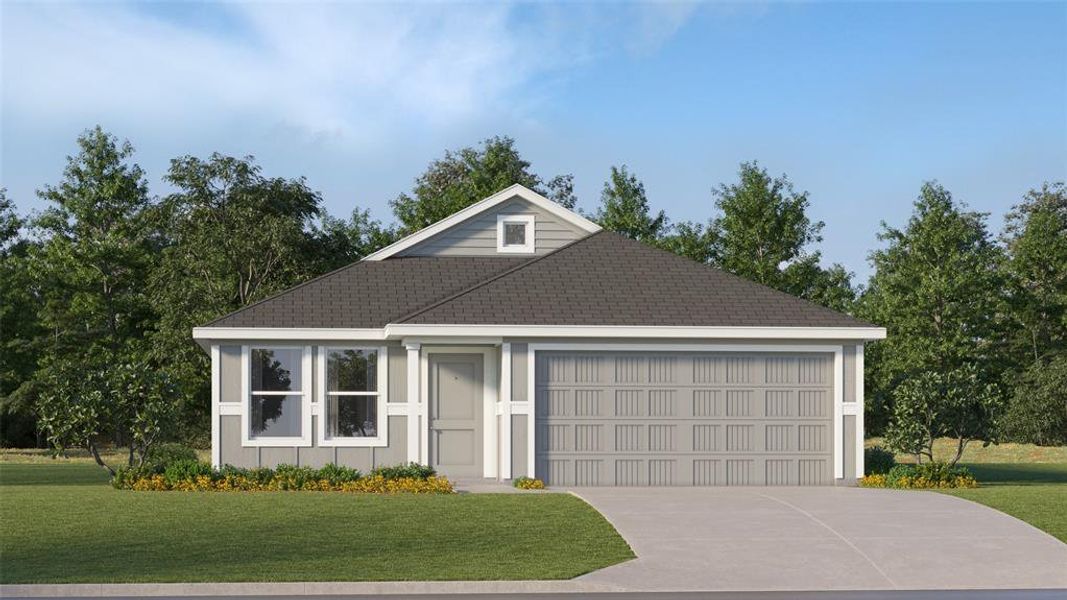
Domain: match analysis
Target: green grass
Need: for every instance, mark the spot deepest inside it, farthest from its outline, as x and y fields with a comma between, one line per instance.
x=1025, y=481
x=945, y=449
x=62, y=523
x=1035, y=493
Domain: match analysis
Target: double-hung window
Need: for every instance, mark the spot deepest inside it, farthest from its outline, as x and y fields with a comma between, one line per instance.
x=278, y=412
x=353, y=396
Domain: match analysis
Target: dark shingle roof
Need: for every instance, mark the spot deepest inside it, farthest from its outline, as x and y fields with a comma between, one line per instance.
x=368, y=294
x=607, y=279
x=602, y=279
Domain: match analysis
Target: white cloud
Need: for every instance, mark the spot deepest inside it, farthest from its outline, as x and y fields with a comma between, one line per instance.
x=328, y=69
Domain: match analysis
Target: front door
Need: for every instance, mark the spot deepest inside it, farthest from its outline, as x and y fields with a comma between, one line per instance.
x=455, y=393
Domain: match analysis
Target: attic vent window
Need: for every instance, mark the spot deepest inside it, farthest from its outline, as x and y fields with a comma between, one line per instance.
x=515, y=234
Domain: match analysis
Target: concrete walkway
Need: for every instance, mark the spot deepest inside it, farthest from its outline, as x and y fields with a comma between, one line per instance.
x=820, y=539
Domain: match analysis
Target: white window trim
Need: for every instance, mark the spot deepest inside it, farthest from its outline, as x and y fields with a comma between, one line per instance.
x=382, y=439
x=528, y=221
x=304, y=439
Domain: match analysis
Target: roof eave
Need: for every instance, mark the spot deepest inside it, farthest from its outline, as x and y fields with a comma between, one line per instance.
x=404, y=330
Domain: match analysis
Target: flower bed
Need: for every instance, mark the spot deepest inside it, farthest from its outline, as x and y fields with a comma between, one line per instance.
x=926, y=476
x=194, y=476
x=529, y=483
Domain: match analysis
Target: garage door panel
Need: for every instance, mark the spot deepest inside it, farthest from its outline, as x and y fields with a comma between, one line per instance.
x=683, y=419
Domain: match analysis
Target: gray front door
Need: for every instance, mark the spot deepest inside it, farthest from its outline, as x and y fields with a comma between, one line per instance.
x=455, y=392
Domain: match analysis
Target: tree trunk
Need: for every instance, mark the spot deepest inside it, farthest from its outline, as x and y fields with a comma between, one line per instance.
x=96, y=456
x=961, y=445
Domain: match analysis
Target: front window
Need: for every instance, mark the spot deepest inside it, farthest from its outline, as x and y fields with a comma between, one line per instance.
x=352, y=393
x=276, y=393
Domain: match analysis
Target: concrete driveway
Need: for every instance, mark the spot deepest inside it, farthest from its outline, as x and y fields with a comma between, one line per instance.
x=820, y=539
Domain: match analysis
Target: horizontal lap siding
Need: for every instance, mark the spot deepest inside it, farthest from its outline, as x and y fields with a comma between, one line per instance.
x=626, y=418
x=478, y=236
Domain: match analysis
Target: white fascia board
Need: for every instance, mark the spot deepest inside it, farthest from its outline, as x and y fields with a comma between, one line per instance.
x=613, y=331
x=480, y=207
x=493, y=334
x=286, y=333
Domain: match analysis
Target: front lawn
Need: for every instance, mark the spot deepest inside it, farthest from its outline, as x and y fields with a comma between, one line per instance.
x=1025, y=481
x=1035, y=493
x=62, y=523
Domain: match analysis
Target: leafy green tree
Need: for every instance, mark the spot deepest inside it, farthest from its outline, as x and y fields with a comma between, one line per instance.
x=96, y=249
x=339, y=242
x=691, y=240
x=20, y=329
x=932, y=404
x=936, y=289
x=103, y=396
x=1035, y=238
x=763, y=234
x=624, y=208
x=1037, y=413
x=468, y=175
x=234, y=237
x=96, y=246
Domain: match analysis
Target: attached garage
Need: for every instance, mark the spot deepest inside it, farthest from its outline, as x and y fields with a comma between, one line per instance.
x=684, y=418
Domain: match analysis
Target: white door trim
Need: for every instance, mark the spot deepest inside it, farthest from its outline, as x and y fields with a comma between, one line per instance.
x=489, y=402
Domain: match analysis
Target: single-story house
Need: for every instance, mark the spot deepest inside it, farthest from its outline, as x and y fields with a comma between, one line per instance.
x=516, y=338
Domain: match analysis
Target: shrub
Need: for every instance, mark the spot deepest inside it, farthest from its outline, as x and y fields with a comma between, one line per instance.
x=412, y=470
x=164, y=454
x=182, y=470
x=529, y=483
x=934, y=475
x=191, y=475
x=877, y=461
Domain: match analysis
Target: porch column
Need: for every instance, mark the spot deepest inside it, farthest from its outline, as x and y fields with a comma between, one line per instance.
x=505, y=411
x=414, y=403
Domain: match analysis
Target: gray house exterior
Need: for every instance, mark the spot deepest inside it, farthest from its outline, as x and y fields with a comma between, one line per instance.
x=516, y=338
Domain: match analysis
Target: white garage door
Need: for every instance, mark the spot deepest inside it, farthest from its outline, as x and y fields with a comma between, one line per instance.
x=700, y=419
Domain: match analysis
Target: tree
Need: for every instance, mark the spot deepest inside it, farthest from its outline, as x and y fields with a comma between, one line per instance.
x=20, y=330
x=936, y=289
x=763, y=234
x=691, y=240
x=624, y=208
x=339, y=242
x=469, y=175
x=234, y=237
x=1035, y=239
x=933, y=404
x=90, y=269
x=108, y=394
x=96, y=249
x=1037, y=413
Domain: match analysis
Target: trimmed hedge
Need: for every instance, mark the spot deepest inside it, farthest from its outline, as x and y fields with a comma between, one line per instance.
x=934, y=475
x=192, y=475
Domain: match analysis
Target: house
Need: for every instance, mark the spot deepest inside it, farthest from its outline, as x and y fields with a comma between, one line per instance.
x=516, y=338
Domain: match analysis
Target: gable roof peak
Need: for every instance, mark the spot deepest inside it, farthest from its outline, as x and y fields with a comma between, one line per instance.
x=513, y=191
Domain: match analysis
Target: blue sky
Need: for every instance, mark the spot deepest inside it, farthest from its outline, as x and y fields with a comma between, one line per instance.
x=857, y=103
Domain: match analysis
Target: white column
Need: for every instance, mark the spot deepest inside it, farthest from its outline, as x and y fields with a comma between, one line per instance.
x=216, y=432
x=839, y=412
x=505, y=411
x=414, y=404
x=859, y=410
